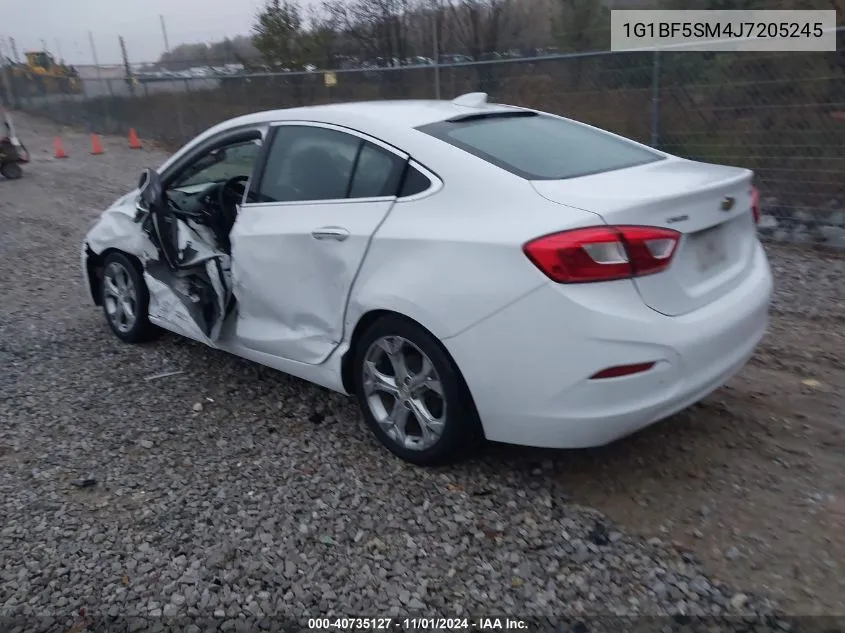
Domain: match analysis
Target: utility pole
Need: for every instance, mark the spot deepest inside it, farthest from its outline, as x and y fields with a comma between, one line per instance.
x=96, y=61
x=129, y=79
x=164, y=33
x=655, y=99
x=94, y=52
x=9, y=101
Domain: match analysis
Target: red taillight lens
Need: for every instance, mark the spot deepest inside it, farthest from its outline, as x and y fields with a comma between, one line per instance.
x=755, y=204
x=603, y=253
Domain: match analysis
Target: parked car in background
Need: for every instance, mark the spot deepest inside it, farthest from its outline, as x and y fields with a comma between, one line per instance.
x=455, y=59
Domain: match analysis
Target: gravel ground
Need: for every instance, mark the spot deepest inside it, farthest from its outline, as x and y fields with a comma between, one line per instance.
x=230, y=490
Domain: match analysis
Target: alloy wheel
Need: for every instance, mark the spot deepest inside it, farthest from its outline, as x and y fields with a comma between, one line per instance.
x=120, y=297
x=404, y=393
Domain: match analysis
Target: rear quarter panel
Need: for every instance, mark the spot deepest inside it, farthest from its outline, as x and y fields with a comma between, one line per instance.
x=453, y=258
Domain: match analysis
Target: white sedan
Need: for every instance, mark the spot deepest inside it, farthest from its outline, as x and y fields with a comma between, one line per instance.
x=467, y=270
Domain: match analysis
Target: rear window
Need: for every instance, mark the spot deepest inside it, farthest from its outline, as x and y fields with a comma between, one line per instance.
x=540, y=147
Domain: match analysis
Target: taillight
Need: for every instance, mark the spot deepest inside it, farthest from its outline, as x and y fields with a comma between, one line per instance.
x=755, y=204
x=603, y=253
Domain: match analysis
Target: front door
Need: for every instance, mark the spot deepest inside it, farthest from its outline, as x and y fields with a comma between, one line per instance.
x=190, y=285
x=295, y=254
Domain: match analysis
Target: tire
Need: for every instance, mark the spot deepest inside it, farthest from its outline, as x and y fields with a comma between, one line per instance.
x=127, y=286
x=457, y=421
x=12, y=171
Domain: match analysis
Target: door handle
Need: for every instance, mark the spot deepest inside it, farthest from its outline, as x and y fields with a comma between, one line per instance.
x=335, y=233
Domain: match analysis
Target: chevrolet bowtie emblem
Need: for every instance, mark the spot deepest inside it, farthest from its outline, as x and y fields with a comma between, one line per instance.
x=727, y=203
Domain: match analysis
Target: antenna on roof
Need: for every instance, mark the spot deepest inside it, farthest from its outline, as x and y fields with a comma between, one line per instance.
x=471, y=100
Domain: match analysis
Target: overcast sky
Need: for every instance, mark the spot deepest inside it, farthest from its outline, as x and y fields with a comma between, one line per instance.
x=64, y=24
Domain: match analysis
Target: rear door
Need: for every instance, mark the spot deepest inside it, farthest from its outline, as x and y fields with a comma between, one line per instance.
x=323, y=193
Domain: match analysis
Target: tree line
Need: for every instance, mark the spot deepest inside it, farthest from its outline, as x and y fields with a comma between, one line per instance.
x=392, y=32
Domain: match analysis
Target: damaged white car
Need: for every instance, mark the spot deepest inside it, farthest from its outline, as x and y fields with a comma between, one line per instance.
x=465, y=269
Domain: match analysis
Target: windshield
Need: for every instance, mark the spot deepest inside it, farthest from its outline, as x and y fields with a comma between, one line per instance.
x=541, y=147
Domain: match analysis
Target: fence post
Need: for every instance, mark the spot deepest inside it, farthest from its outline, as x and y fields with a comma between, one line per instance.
x=436, y=42
x=8, y=90
x=189, y=103
x=655, y=99
x=130, y=79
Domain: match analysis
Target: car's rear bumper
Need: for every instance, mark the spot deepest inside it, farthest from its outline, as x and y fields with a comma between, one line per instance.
x=528, y=366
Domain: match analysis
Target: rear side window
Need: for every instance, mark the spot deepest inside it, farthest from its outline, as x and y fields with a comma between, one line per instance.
x=541, y=147
x=415, y=182
x=309, y=163
x=377, y=173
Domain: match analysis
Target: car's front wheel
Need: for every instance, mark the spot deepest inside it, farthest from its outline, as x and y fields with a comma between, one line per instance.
x=125, y=299
x=411, y=393
x=12, y=171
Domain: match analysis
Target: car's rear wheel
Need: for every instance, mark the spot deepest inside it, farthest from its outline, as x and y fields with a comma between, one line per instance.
x=125, y=299
x=411, y=393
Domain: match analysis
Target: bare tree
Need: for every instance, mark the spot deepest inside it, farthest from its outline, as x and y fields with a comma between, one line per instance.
x=485, y=29
x=277, y=34
x=479, y=24
x=322, y=38
x=380, y=27
x=582, y=25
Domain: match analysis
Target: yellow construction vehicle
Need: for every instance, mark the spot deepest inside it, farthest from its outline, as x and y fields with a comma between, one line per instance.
x=43, y=75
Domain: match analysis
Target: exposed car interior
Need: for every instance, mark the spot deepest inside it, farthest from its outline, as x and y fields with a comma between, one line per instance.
x=209, y=190
x=306, y=163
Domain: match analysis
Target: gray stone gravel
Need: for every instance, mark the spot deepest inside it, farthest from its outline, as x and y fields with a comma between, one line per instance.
x=220, y=494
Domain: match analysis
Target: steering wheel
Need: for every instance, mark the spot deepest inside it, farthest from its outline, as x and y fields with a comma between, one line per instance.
x=231, y=192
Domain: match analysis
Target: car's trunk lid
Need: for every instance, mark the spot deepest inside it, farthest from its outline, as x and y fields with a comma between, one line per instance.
x=709, y=204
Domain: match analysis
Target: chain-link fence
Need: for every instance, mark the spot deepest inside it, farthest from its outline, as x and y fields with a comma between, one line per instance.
x=780, y=114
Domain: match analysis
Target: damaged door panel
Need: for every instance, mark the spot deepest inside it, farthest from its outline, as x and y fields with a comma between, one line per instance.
x=295, y=254
x=189, y=277
x=190, y=267
x=293, y=269
x=196, y=273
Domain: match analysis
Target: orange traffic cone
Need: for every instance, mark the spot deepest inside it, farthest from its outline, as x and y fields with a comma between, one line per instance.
x=96, y=145
x=60, y=151
x=134, y=141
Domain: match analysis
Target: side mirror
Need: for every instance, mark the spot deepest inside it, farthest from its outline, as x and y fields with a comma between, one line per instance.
x=151, y=188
